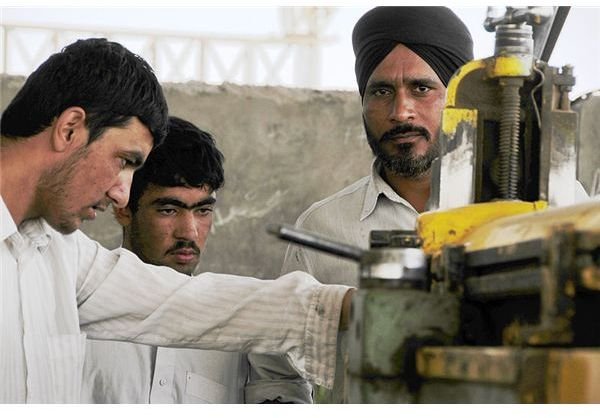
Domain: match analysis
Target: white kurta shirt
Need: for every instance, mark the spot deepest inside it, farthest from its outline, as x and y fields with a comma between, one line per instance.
x=349, y=216
x=54, y=286
x=120, y=372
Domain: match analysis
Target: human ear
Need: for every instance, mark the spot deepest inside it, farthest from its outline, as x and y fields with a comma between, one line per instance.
x=123, y=216
x=69, y=130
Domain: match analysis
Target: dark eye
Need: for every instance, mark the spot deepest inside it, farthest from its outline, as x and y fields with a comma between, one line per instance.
x=127, y=163
x=379, y=92
x=204, y=211
x=167, y=211
x=421, y=88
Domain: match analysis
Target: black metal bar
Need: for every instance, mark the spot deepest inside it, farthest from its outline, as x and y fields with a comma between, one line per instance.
x=557, y=24
x=315, y=241
x=497, y=285
x=522, y=251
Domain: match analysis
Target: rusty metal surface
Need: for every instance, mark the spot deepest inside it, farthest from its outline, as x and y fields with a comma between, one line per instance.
x=378, y=391
x=473, y=364
x=387, y=323
x=533, y=375
x=536, y=225
x=573, y=376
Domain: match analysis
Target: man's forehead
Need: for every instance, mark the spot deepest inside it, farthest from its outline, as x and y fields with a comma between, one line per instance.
x=186, y=194
x=133, y=137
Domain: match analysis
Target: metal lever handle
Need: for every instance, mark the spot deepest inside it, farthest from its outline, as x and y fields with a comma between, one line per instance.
x=315, y=241
x=536, y=15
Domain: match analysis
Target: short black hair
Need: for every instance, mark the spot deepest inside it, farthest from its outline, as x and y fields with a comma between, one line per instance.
x=188, y=157
x=108, y=81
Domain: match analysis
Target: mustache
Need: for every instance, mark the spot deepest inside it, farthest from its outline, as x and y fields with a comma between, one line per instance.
x=404, y=128
x=180, y=245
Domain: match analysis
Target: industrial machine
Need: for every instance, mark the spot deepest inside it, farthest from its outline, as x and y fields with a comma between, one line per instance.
x=496, y=296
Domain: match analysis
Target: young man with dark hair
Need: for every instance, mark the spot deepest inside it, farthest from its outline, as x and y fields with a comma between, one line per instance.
x=106, y=80
x=70, y=142
x=167, y=222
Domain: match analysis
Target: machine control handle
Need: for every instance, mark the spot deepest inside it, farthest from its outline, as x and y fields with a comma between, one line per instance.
x=315, y=241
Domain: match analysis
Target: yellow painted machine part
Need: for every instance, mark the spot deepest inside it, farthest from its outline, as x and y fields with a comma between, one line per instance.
x=573, y=376
x=455, y=81
x=510, y=66
x=440, y=228
x=486, y=225
x=453, y=116
x=507, y=66
x=536, y=225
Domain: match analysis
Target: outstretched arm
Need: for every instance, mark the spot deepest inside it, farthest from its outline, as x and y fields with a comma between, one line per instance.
x=293, y=315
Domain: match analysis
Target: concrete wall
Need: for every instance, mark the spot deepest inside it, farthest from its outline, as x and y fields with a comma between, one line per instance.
x=588, y=107
x=284, y=149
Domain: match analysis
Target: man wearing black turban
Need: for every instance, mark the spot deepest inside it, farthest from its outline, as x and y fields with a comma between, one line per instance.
x=405, y=57
x=435, y=34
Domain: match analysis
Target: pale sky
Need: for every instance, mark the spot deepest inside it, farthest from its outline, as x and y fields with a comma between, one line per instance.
x=579, y=44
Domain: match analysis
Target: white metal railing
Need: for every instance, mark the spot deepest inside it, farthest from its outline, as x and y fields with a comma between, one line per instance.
x=292, y=59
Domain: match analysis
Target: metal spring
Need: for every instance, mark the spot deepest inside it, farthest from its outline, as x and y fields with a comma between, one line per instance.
x=536, y=109
x=508, y=168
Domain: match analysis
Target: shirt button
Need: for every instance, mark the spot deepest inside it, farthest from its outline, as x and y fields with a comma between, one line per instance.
x=162, y=382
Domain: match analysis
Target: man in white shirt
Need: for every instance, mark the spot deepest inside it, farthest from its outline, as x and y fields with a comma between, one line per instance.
x=167, y=222
x=405, y=57
x=70, y=142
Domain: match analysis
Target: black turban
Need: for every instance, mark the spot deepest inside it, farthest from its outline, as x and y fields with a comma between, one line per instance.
x=436, y=34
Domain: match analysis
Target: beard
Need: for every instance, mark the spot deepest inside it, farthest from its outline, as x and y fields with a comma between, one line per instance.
x=403, y=163
x=55, y=186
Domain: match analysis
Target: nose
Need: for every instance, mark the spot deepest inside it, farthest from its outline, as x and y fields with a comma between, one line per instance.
x=119, y=192
x=186, y=228
x=402, y=107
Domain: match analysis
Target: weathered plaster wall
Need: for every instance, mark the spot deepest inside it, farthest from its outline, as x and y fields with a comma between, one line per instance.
x=284, y=149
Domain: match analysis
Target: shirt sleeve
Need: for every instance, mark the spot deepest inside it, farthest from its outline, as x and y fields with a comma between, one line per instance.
x=121, y=298
x=273, y=379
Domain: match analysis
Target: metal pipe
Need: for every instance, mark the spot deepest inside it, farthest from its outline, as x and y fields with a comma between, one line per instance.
x=315, y=241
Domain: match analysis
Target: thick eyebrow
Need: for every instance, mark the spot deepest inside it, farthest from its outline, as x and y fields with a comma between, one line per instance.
x=163, y=201
x=428, y=81
x=379, y=84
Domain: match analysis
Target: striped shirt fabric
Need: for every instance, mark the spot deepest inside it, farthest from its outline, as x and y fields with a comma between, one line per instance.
x=122, y=372
x=349, y=216
x=57, y=288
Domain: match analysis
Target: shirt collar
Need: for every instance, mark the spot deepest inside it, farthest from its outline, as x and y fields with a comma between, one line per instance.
x=376, y=187
x=38, y=231
x=7, y=224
